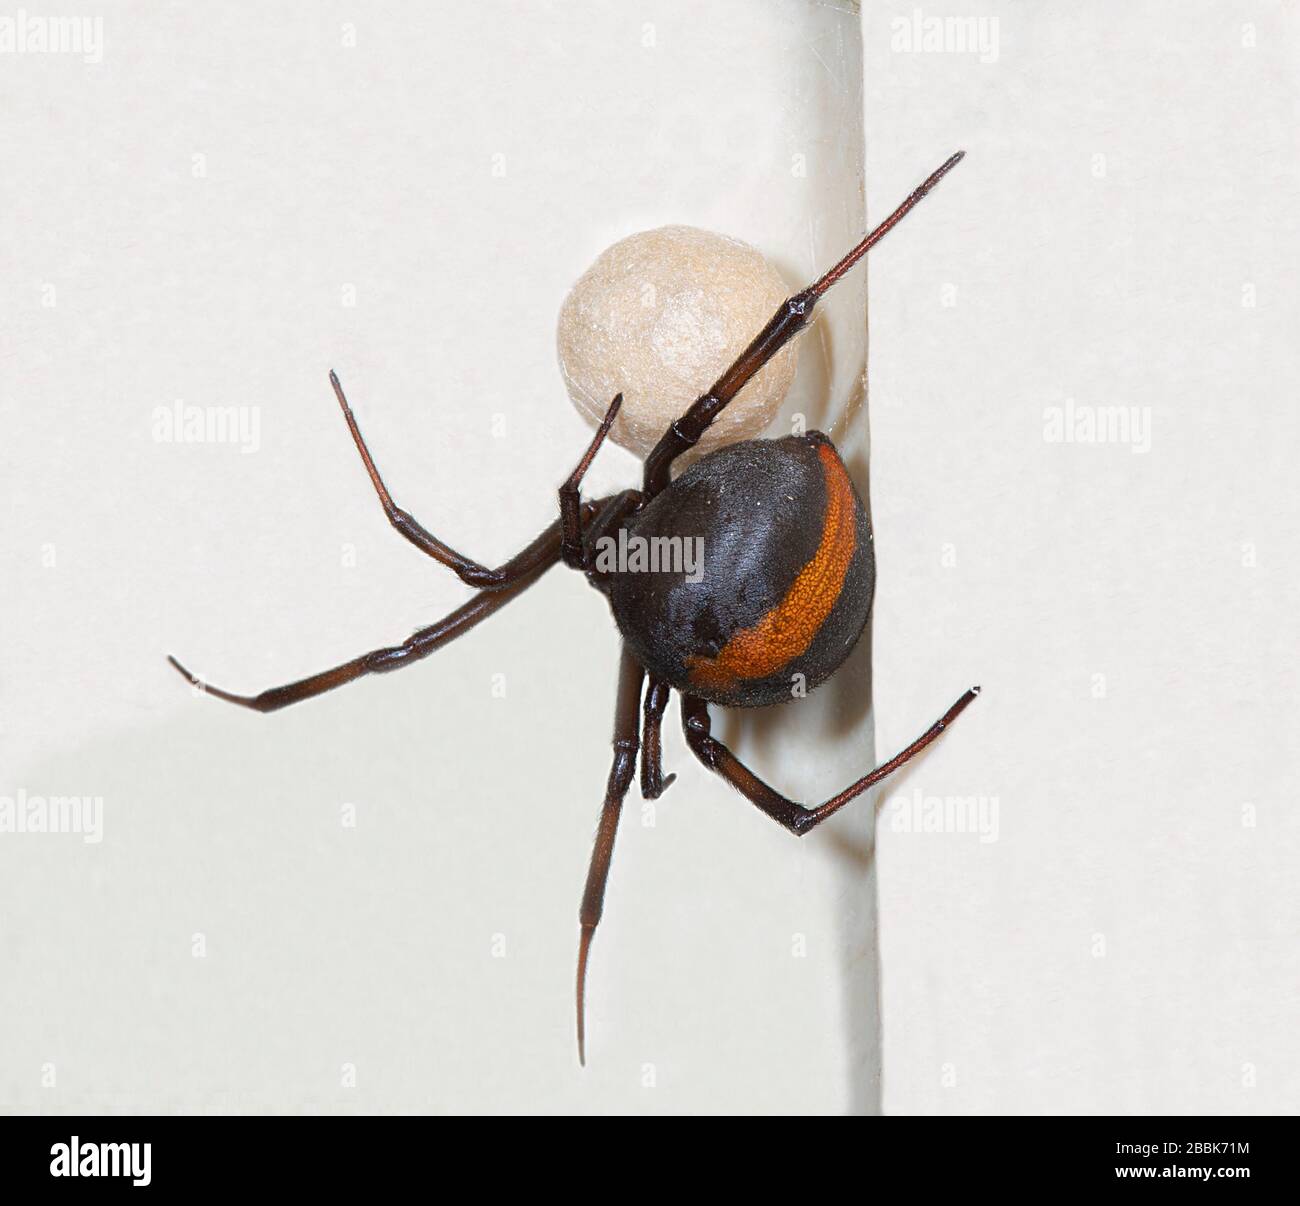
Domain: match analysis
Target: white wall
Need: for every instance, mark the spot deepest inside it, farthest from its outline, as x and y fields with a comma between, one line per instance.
x=1119, y=816
x=1129, y=941
x=736, y=966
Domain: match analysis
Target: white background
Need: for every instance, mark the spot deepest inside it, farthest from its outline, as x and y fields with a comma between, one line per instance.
x=453, y=174
x=1128, y=943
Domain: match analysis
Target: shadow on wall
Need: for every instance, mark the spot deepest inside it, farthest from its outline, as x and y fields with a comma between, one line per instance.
x=836, y=717
x=232, y=944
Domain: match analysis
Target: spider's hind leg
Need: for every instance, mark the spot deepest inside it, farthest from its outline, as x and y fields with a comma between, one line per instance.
x=795, y=817
x=626, y=712
x=653, y=781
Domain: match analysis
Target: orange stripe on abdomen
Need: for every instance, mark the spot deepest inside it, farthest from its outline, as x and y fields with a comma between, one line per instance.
x=786, y=631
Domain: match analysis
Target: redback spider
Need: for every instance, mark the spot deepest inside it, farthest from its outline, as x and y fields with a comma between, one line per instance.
x=783, y=594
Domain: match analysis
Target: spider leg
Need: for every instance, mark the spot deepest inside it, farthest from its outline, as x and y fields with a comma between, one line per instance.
x=653, y=782
x=795, y=817
x=614, y=511
x=529, y=565
x=790, y=318
x=626, y=711
x=468, y=570
x=571, y=549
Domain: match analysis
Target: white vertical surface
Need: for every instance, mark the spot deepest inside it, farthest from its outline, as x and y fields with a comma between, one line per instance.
x=234, y=200
x=1122, y=234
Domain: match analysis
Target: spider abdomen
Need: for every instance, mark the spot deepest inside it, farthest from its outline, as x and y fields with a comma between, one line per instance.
x=750, y=577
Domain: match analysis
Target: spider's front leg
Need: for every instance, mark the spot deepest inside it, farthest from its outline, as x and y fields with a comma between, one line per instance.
x=572, y=550
x=795, y=817
x=532, y=562
x=468, y=570
x=578, y=523
x=790, y=318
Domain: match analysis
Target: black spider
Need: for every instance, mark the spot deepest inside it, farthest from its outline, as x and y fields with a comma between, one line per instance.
x=782, y=593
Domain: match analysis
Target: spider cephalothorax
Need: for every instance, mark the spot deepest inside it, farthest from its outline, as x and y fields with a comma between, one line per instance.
x=777, y=591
